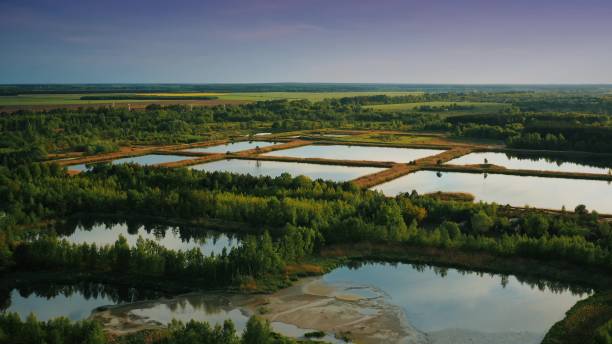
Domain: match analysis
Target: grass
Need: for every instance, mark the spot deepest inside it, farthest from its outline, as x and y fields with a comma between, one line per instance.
x=312, y=96
x=582, y=321
x=187, y=94
x=407, y=107
x=68, y=99
x=61, y=99
x=384, y=138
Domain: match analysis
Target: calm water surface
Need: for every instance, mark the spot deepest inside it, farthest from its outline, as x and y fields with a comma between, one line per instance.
x=212, y=309
x=149, y=159
x=436, y=299
x=231, y=147
x=540, y=192
x=543, y=164
x=75, y=302
x=344, y=152
x=174, y=238
x=276, y=168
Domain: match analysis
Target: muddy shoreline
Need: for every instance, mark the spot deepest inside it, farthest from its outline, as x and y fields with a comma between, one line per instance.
x=361, y=313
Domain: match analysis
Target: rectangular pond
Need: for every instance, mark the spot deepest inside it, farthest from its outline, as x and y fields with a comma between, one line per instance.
x=345, y=152
x=149, y=159
x=276, y=168
x=540, y=192
x=230, y=147
x=528, y=163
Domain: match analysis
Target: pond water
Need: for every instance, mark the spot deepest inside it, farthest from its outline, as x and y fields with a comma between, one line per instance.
x=175, y=238
x=344, y=152
x=231, y=147
x=149, y=159
x=276, y=168
x=438, y=300
x=213, y=309
x=540, y=192
x=527, y=163
x=75, y=302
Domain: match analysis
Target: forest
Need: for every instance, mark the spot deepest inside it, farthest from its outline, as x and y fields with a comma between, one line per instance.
x=14, y=330
x=286, y=220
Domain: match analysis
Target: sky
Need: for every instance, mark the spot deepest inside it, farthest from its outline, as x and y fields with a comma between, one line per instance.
x=239, y=41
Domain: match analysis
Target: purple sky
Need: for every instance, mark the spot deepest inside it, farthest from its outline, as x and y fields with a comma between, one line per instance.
x=200, y=41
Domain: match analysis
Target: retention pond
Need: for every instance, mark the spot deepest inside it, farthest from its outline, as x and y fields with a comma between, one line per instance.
x=276, y=168
x=540, y=192
x=344, y=152
x=526, y=162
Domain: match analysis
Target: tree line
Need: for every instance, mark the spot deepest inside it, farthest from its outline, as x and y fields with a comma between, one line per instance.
x=14, y=330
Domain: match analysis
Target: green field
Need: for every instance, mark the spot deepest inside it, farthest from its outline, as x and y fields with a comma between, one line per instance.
x=479, y=107
x=312, y=96
x=73, y=98
x=59, y=99
x=384, y=138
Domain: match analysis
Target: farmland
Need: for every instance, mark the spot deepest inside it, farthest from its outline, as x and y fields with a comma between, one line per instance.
x=476, y=107
x=74, y=99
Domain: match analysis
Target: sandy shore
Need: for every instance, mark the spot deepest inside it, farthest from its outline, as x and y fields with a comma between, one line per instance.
x=359, y=313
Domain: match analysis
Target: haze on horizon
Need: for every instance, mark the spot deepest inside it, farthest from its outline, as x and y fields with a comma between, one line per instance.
x=227, y=41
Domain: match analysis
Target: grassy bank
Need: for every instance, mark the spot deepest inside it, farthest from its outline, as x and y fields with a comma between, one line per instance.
x=586, y=322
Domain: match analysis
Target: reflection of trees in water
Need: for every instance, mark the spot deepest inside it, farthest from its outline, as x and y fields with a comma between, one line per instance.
x=203, y=303
x=88, y=290
x=199, y=235
x=541, y=284
x=589, y=160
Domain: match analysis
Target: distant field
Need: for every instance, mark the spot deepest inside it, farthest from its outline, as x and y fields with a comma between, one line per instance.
x=479, y=107
x=385, y=138
x=59, y=99
x=74, y=99
x=312, y=96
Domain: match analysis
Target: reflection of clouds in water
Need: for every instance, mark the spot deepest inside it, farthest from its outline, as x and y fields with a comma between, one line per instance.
x=276, y=168
x=214, y=310
x=533, y=163
x=468, y=301
x=169, y=237
x=150, y=159
x=231, y=147
x=75, y=306
x=345, y=152
x=540, y=192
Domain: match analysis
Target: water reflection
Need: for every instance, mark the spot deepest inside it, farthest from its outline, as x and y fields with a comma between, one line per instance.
x=276, y=168
x=89, y=231
x=345, y=152
x=74, y=301
x=540, y=192
x=531, y=162
x=146, y=160
x=436, y=299
x=231, y=147
x=214, y=309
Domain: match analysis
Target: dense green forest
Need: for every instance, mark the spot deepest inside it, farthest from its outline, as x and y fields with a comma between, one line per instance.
x=14, y=330
x=284, y=220
x=302, y=213
x=573, y=122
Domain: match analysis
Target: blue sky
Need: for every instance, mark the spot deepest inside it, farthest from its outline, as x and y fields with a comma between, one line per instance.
x=436, y=41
